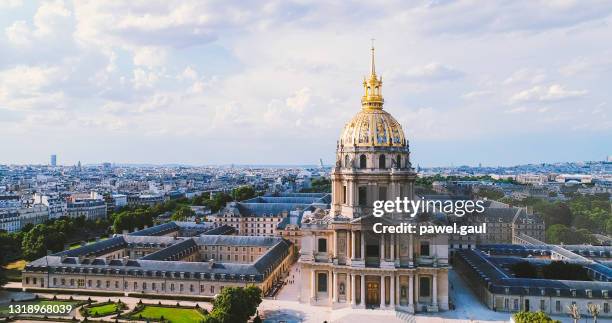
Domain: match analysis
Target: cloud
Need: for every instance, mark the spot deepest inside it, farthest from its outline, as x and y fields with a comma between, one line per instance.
x=149, y=56
x=554, y=92
x=475, y=94
x=432, y=72
x=49, y=21
x=202, y=73
x=525, y=75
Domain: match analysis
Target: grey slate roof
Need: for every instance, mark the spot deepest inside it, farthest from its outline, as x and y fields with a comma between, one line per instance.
x=497, y=280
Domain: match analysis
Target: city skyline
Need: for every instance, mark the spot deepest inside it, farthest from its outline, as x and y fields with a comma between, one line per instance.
x=470, y=84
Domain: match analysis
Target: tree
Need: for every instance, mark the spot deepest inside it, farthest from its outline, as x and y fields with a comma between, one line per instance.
x=533, y=317
x=243, y=193
x=524, y=269
x=594, y=311
x=565, y=271
x=574, y=312
x=182, y=213
x=40, y=239
x=235, y=304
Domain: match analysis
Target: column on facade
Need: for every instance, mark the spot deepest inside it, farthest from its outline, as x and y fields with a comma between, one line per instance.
x=392, y=293
x=353, y=289
x=410, y=248
x=353, y=237
x=392, y=251
x=382, y=247
x=348, y=244
x=315, y=247
x=334, y=247
x=349, y=288
x=382, y=291
x=335, y=288
x=410, y=291
x=362, y=251
x=416, y=288
x=362, y=290
x=435, y=288
x=313, y=284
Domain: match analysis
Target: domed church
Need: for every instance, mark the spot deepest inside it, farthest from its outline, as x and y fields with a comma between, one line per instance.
x=343, y=262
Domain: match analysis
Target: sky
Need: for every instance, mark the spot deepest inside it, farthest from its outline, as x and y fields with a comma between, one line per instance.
x=273, y=82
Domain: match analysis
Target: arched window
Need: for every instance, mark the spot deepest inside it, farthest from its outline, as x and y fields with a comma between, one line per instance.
x=398, y=161
x=382, y=162
x=346, y=161
x=363, y=161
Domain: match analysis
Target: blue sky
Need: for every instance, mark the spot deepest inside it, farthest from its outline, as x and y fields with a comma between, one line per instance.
x=273, y=82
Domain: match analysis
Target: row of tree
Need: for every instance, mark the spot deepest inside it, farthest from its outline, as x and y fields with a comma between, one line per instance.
x=574, y=220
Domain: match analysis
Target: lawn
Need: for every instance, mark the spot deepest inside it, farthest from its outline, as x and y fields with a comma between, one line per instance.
x=173, y=314
x=4, y=310
x=102, y=310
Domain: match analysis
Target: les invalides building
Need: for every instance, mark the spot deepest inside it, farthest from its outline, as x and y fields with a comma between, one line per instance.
x=343, y=262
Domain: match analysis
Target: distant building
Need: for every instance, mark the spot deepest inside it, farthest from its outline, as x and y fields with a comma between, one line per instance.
x=144, y=199
x=262, y=215
x=36, y=214
x=502, y=224
x=53, y=161
x=532, y=179
x=9, y=220
x=57, y=206
x=91, y=208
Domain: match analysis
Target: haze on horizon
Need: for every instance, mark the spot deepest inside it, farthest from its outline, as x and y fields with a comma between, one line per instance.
x=235, y=82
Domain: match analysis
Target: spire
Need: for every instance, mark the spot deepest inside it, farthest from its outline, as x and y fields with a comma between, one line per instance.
x=373, y=69
x=372, y=86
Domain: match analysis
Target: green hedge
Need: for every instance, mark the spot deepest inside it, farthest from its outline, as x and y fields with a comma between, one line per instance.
x=173, y=297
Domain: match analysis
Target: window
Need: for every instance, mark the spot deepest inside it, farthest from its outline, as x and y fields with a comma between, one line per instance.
x=424, y=287
x=398, y=161
x=382, y=162
x=542, y=305
x=606, y=307
x=363, y=196
x=516, y=304
x=322, y=245
x=347, y=161
x=382, y=193
x=212, y=289
x=424, y=248
x=558, y=306
x=344, y=194
x=363, y=162
x=506, y=304
x=322, y=282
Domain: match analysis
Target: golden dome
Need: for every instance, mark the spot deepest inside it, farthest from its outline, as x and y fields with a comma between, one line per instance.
x=373, y=126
